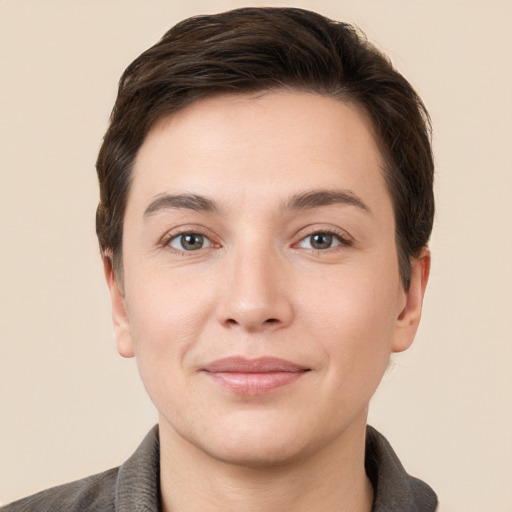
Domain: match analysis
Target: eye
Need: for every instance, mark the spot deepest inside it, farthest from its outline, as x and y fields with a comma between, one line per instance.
x=189, y=242
x=321, y=241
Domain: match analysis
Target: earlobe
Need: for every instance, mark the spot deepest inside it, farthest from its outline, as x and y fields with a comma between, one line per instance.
x=409, y=317
x=122, y=331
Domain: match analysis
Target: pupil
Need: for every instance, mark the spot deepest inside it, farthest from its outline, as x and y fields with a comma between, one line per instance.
x=321, y=241
x=192, y=242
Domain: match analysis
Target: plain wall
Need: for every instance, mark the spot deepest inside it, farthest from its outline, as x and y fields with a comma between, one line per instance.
x=70, y=406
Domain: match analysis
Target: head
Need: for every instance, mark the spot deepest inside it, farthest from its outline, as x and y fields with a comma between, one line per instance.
x=266, y=200
x=256, y=50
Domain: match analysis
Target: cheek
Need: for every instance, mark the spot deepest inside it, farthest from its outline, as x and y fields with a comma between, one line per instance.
x=353, y=321
x=167, y=313
x=167, y=318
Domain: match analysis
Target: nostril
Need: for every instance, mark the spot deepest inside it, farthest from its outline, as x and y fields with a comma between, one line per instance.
x=271, y=320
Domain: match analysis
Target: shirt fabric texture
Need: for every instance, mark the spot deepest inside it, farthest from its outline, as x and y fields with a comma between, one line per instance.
x=134, y=486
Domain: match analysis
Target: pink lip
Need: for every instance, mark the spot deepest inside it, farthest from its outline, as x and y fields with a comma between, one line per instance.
x=253, y=376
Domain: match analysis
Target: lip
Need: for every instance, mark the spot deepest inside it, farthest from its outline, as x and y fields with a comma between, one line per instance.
x=253, y=376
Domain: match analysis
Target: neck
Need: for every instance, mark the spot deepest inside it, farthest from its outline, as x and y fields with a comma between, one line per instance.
x=330, y=478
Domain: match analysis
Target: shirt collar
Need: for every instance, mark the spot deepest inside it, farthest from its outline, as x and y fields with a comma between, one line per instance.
x=394, y=489
x=138, y=481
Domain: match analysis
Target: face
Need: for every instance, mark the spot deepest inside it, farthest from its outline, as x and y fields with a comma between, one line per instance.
x=261, y=292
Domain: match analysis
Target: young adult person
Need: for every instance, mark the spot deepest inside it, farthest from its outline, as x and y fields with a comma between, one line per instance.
x=265, y=207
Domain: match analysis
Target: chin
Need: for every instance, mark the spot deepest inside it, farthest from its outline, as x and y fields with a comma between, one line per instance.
x=257, y=451
x=258, y=441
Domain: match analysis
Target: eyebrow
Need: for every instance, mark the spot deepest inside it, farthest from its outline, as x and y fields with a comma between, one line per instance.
x=181, y=201
x=301, y=201
x=319, y=198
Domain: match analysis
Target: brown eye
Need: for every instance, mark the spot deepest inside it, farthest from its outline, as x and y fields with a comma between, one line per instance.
x=189, y=242
x=320, y=241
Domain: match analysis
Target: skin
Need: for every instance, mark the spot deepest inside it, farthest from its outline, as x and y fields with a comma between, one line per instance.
x=259, y=286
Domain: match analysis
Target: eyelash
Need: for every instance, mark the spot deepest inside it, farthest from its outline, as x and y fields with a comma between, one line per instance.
x=170, y=237
x=343, y=239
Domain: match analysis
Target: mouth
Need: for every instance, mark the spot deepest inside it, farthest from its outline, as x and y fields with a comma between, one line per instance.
x=253, y=376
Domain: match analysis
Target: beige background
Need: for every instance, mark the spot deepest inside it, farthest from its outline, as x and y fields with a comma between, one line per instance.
x=70, y=406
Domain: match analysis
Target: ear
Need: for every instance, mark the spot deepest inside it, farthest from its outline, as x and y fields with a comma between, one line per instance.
x=120, y=320
x=409, y=317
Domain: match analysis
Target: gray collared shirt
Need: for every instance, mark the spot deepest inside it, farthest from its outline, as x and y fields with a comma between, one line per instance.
x=134, y=486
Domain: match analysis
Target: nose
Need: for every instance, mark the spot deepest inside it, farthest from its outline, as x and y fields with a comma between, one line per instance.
x=256, y=294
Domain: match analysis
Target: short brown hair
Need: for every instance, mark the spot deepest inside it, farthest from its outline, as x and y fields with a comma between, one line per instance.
x=256, y=49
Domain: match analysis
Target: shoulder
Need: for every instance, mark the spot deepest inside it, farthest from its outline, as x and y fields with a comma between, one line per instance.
x=134, y=484
x=96, y=492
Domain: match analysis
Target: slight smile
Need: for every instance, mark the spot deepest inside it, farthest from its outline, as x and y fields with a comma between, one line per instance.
x=253, y=376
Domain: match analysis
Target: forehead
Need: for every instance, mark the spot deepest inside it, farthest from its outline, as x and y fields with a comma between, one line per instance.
x=264, y=145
